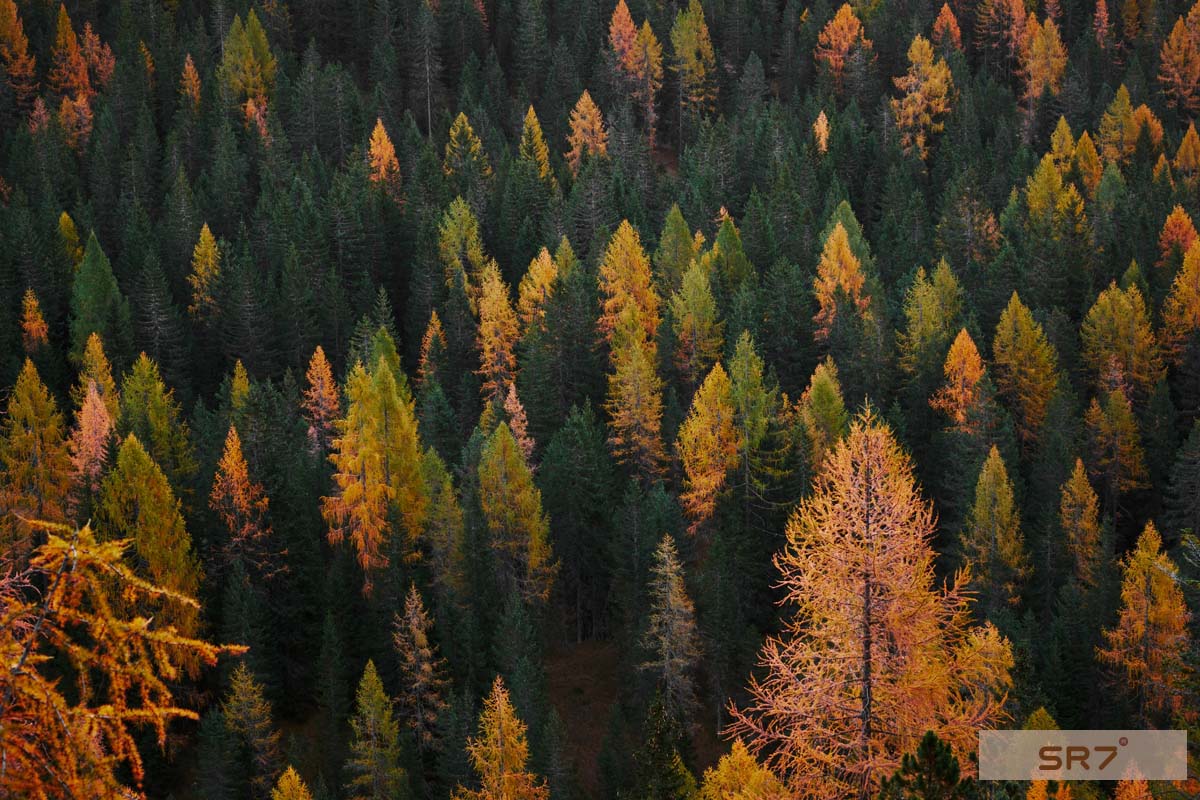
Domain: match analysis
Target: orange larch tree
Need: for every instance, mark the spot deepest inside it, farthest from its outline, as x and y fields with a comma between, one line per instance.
x=946, y=34
x=1147, y=646
x=1179, y=69
x=842, y=34
x=962, y=391
x=35, y=333
x=1176, y=238
x=839, y=275
x=189, y=84
x=381, y=156
x=321, y=403
x=89, y=443
x=241, y=505
x=928, y=88
x=1181, y=310
x=14, y=53
x=622, y=34
x=1079, y=516
x=498, y=333
x=875, y=651
x=535, y=289
x=1117, y=460
x=588, y=134
x=69, y=71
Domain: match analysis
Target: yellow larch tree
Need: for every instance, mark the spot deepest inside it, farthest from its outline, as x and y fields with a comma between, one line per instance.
x=498, y=333
x=928, y=89
x=588, y=136
x=707, y=446
x=1026, y=368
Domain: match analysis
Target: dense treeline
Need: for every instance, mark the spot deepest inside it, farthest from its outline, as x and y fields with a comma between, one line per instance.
x=806, y=378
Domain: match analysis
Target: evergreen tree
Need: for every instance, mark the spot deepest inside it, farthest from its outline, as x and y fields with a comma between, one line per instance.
x=670, y=637
x=374, y=765
x=247, y=716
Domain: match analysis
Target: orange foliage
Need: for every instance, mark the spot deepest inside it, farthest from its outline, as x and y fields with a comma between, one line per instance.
x=14, y=53
x=241, y=506
x=321, y=403
x=35, y=333
x=189, y=84
x=842, y=34
x=1177, y=236
x=961, y=394
x=946, y=34
x=588, y=134
x=839, y=274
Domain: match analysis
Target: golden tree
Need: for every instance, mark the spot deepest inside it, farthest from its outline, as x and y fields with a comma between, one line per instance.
x=1116, y=333
x=537, y=284
x=500, y=754
x=627, y=285
x=1146, y=648
x=962, y=392
x=20, y=66
x=90, y=439
x=206, y=272
x=189, y=84
x=1187, y=157
x=533, y=148
x=65, y=739
x=498, y=334
x=1117, y=459
x=1045, y=61
x=837, y=39
x=35, y=464
x=694, y=321
x=822, y=413
x=928, y=88
x=321, y=404
x=1079, y=516
x=1181, y=311
x=1177, y=236
x=645, y=68
x=35, y=333
x=95, y=369
x=992, y=543
x=1026, y=368
x=622, y=34
x=694, y=63
x=839, y=275
x=737, y=776
x=241, y=505
x=384, y=166
x=708, y=446
x=946, y=34
x=874, y=653
x=635, y=407
x=1179, y=69
x=588, y=135
x=68, y=72
x=290, y=787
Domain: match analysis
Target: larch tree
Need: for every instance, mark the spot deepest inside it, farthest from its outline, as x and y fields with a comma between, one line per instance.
x=694, y=64
x=358, y=509
x=1045, y=61
x=136, y=502
x=932, y=309
x=20, y=66
x=35, y=333
x=90, y=439
x=928, y=90
x=835, y=43
x=1133, y=789
x=533, y=149
x=626, y=282
x=249, y=721
x=874, y=652
x=499, y=753
x=622, y=34
x=738, y=776
x=321, y=403
x=149, y=410
x=1147, y=646
x=962, y=393
x=708, y=447
x=1117, y=462
x=1187, y=158
x=518, y=530
x=1026, y=368
x=992, y=543
x=35, y=481
x=588, y=136
x=205, y=275
x=247, y=69
x=822, y=413
x=189, y=85
x=374, y=764
x=498, y=334
x=384, y=166
x=80, y=738
x=1179, y=69
x=820, y=130
x=537, y=284
x=671, y=640
x=946, y=34
x=1079, y=517
x=1117, y=334
x=422, y=671
x=290, y=786
x=94, y=368
x=696, y=325
x=645, y=69
x=839, y=282
x=241, y=505
x=1181, y=309
x=1177, y=236
x=68, y=69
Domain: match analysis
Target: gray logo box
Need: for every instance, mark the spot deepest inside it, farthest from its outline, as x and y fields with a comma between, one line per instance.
x=1082, y=755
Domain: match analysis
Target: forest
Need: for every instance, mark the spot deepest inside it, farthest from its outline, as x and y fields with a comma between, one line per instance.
x=561, y=400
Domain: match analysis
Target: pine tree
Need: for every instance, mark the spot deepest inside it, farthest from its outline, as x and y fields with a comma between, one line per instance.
x=36, y=475
x=97, y=306
x=670, y=638
x=247, y=69
x=992, y=543
x=321, y=404
x=374, y=763
x=518, y=530
x=708, y=447
x=248, y=718
x=677, y=249
x=930, y=772
x=422, y=682
x=589, y=136
x=1026, y=368
x=136, y=503
x=500, y=754
x=1079, y=516
x=696, y=326
x=928, y=89
x=1183, y=493
x=834, y=709
x=1146, y=648
x=466, y=164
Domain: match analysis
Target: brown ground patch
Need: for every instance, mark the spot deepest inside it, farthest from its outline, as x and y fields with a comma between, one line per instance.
x=583, y=687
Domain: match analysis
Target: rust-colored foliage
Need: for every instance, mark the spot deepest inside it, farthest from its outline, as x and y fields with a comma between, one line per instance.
x=588, y=135
x=64, y=738
x=961, y=394
x=189, y=85
x=1179, y=69
x=1176, y=238
x=35, y=333
x=69, y=69
x=241, y=505
x=322, y=405
x=842, y=34
x=946, y=34
x=875, y=651
x=21, y=67
x=839, y=275
x=89, y=442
